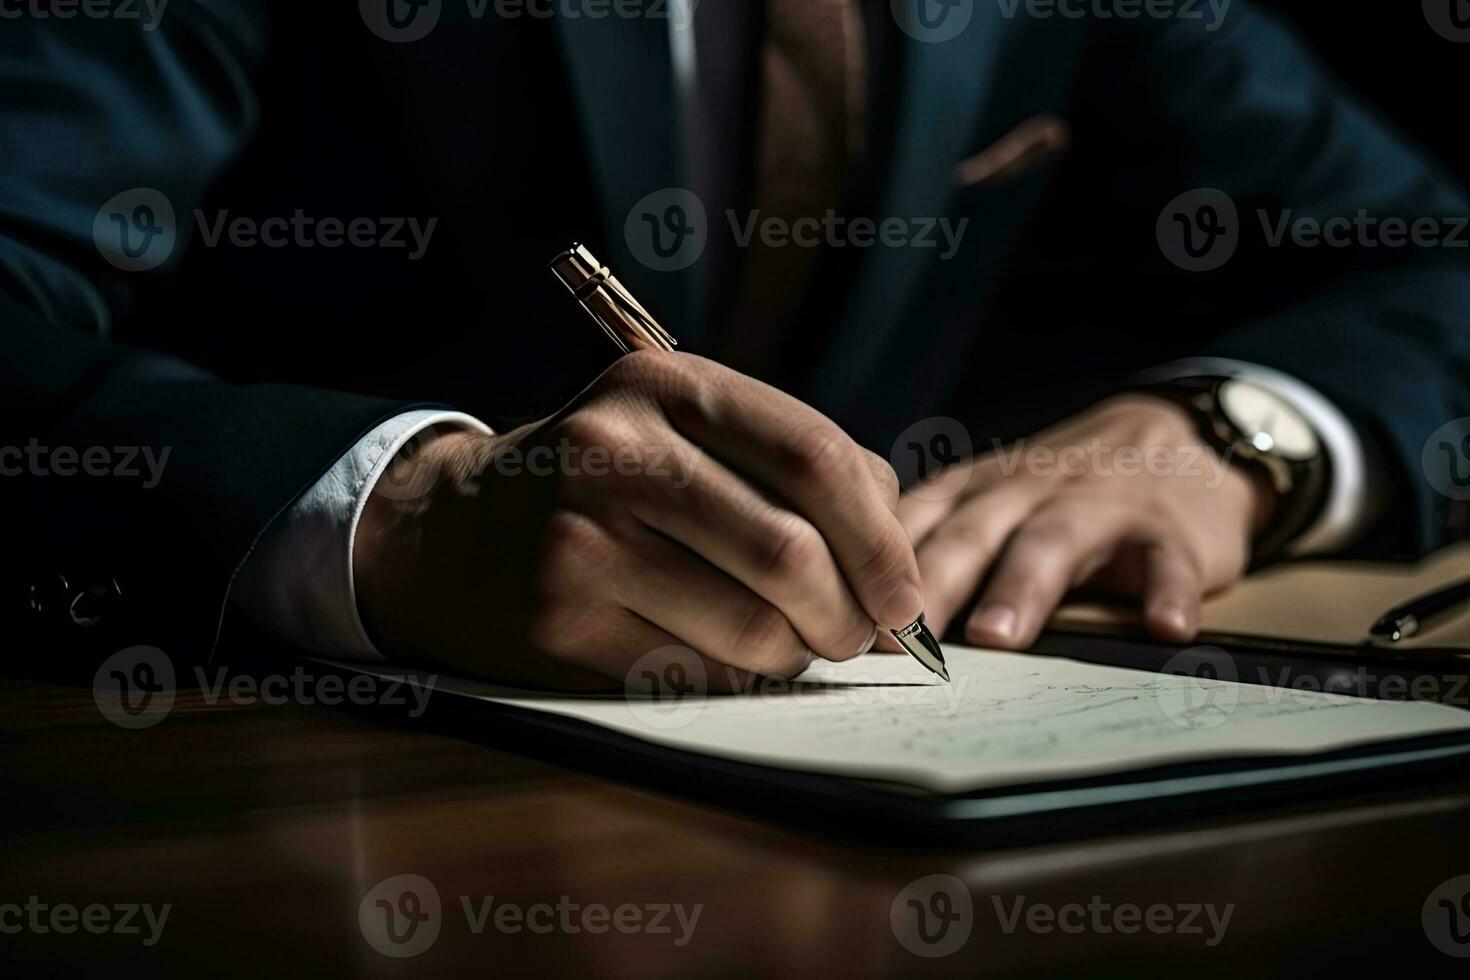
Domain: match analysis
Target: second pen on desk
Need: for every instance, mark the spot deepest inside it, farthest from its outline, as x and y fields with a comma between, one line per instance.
x=632, y=327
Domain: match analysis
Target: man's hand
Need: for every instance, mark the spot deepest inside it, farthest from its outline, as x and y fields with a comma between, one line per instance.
x=1123, y=497
x=674, y=502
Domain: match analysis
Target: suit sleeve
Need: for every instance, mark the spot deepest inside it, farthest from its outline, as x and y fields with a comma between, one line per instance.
x=182, y=472
x=1381, y=329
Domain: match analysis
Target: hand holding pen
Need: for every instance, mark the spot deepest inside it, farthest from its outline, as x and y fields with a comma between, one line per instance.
x=674, y=502
x=631, y=327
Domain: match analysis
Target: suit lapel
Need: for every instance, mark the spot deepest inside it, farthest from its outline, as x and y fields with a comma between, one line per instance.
x=622, y=78
x=943, y=83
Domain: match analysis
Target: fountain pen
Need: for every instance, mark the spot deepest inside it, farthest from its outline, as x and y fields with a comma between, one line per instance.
x=632, y=327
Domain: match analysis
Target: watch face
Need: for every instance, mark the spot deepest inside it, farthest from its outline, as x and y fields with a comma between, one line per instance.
x=1268, y=422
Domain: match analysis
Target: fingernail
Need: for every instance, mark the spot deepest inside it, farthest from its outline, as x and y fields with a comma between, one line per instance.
x=902, y=607
x=994, y=621
x=1173, y=616
x=868, y=643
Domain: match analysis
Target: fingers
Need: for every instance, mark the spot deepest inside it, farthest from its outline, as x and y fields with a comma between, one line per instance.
x=709, y=611
x=810, y=464
x=772, y=553
x=1172, y=594
x=1058, y=547
x=636, y=655
x=955, y=556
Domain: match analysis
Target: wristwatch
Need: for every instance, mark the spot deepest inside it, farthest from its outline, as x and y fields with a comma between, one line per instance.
x=1252, y=427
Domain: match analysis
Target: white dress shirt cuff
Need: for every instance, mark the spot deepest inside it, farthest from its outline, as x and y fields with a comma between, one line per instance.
x=297, y=585
x=1346, y=509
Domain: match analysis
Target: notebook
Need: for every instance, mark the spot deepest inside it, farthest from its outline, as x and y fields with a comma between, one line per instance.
x=1007, y=719
x=1314, y=602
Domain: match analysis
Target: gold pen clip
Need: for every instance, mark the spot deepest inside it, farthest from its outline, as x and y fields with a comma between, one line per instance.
x=620, y=316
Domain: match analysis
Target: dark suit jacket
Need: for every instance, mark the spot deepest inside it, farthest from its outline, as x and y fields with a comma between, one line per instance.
x=257, y=367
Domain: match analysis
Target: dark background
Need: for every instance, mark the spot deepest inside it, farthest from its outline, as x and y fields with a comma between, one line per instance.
x=1387, y=51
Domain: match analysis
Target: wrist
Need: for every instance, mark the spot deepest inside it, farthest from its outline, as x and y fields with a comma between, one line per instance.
x=1250, y=492
x=388, y=539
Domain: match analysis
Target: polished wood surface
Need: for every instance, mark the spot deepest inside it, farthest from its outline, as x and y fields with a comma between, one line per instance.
x=265, y=826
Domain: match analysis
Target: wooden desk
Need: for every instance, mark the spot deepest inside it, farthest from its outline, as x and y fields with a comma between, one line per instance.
x=265, y=826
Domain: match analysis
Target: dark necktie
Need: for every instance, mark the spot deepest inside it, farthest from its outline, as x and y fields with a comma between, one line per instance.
x=810, y=125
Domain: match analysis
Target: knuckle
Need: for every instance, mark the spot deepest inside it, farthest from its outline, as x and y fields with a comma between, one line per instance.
x=638, y=368
x=791, y=546
x=1048, y=537
x=821, y=453
x=593, y=428
x=883, y=473
x=767, y=637
x=968, y=529
x=548, y=629
x=569, y=543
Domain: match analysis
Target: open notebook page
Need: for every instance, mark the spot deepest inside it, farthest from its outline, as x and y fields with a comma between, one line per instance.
x=1007, y=719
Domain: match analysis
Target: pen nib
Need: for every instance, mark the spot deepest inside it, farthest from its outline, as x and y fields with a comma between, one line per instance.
x=919, y=641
